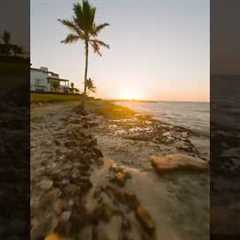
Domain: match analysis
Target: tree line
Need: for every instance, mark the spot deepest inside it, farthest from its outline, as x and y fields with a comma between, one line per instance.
x=7, y=48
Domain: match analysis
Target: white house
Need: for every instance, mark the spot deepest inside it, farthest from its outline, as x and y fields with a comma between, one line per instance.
x=43, y=80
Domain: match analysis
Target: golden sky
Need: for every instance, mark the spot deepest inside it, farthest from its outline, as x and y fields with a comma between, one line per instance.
x=158, y=50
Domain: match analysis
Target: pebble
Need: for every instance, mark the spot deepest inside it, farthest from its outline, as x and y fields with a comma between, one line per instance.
x=66, y=216
x=46, y=184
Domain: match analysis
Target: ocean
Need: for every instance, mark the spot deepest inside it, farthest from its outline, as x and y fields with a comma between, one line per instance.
x=191, y=115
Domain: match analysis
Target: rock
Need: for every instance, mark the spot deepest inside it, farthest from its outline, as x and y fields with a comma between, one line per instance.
x=65, y=181
x=184, y=134
x=59, y=206
x=74, y=121
x=120, y=175
x=57, y=142
x=103, y=212
x=173, y=162
x=73, y=189
x=145, y=219
x=131, y=200
x=166, y=134
x=185, y=146
x=86, y=233
x=52, y=195
x=97, y=152
x=65, y=216
x=46, y=184
x=120, y=178
x=53, y=236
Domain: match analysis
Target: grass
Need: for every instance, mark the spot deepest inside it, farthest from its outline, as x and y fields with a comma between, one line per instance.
x=53, y=98
x=104, y=108
x=109, y=110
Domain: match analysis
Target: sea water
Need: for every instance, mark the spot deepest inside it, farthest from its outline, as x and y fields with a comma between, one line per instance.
x=191, y=115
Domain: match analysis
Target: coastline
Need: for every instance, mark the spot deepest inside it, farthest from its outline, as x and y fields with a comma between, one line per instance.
x=119, y=148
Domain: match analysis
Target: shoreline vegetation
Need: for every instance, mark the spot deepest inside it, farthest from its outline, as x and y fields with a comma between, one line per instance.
x=108, y=172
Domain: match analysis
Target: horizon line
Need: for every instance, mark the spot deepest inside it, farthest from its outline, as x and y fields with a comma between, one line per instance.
x=148, y=100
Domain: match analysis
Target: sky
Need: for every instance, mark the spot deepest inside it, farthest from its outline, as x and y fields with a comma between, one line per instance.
x=17, y=23
x=225, y=37
x=159, y=50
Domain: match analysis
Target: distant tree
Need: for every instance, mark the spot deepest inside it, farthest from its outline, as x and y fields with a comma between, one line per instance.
x=5, y=47
x=55, y=85
x=90, y=85
x=6, y=37
x=72, y=87
x=17, y=50
x=83, y=28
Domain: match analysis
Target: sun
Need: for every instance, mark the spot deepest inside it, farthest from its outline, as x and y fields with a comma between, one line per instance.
x=129, y=94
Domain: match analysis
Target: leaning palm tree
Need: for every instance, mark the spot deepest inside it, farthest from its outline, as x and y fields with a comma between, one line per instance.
x=83, y=28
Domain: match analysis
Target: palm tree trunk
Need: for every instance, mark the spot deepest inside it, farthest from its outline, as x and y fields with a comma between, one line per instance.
x=85, y=73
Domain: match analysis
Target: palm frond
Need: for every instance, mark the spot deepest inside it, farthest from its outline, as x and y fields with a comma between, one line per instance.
x=71, y=38
x=88, y=13
x=98, y=28
x=78, y=15
x=84, y=15
x=96, y=47
x=70, y=25
x=101, y=43
x=92, y=17
x=90, y=85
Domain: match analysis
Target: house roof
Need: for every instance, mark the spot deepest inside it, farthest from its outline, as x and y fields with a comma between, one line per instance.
x=42, y=70
x=38, y=69
x=52, y=75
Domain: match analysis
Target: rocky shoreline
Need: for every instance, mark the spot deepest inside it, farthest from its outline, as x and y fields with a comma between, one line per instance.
x=92, y=177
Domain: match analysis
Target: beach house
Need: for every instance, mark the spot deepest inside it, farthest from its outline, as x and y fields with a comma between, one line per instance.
x=43, y=80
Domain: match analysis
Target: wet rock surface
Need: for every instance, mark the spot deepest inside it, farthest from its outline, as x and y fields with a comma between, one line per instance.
x=62, y=157
x=82, y=186
x=178, y=162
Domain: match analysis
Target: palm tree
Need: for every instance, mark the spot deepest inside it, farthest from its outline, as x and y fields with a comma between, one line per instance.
x=6, y=37
x=17, y=50
x=83, y=28
x=90, y=85
x=72, y=87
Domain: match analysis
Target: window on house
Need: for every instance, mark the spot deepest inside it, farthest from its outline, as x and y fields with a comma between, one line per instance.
x=39, y=82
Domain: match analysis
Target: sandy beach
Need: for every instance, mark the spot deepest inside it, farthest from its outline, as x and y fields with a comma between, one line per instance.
x=99, y=177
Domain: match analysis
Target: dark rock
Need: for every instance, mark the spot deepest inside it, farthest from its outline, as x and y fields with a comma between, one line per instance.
x=98, y=152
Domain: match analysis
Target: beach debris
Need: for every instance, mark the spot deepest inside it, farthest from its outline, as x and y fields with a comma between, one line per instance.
x=178, y=161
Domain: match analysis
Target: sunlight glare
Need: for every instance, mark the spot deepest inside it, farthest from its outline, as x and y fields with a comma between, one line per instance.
x=130, y=94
